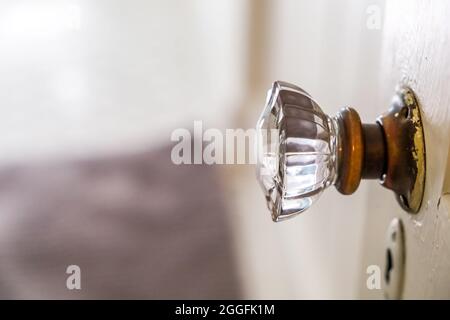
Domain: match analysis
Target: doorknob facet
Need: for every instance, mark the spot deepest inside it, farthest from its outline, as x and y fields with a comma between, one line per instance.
x=302, y=151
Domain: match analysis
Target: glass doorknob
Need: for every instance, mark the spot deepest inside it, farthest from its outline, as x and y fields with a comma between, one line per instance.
x=302, y=151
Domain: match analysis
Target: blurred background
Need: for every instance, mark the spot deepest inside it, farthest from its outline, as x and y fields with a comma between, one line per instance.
x=90, y=92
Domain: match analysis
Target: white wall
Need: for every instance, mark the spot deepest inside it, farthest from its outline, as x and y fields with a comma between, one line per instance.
x=80, y=76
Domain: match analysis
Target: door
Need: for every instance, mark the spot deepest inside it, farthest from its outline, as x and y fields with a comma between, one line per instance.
x=415, y=52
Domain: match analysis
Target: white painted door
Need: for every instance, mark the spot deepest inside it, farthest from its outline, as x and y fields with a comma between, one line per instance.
x=337, y=52
x=416, y=52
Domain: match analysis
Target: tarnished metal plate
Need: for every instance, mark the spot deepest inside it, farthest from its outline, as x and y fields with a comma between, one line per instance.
x=405, y=142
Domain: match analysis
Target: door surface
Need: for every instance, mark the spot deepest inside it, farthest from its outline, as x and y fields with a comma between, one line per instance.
x=336, y=52
x=415, y=52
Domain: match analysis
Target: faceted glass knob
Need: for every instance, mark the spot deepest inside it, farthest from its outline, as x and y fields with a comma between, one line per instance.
x=301, y=150
x=296, y=147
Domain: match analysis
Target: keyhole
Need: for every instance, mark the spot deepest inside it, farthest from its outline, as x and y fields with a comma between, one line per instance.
x=394, y=261
x=389, y=266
